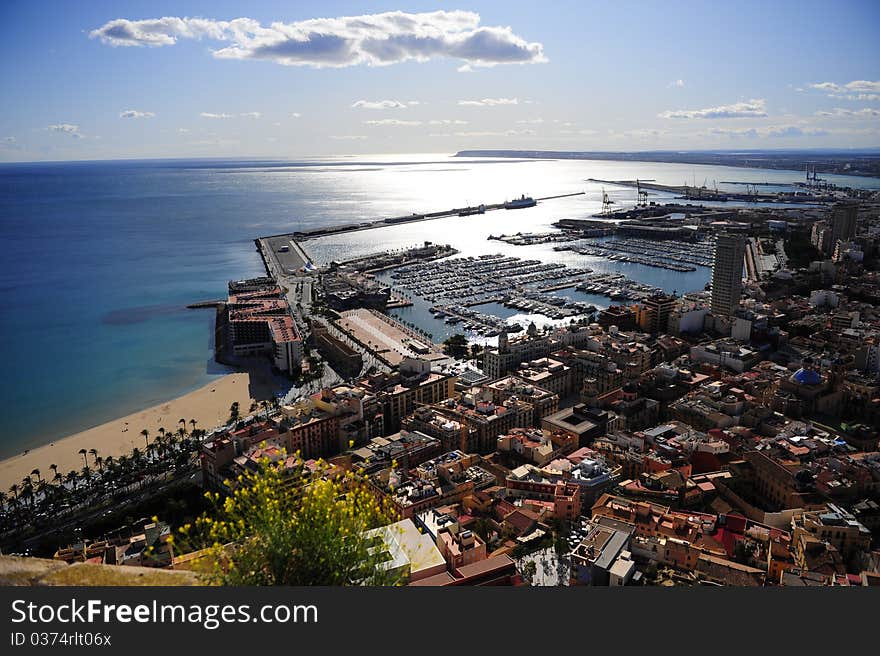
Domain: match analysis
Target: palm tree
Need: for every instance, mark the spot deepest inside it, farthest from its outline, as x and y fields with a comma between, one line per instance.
x=99, y=461
x=94, y=454
x=36, y=472
x=44, y=489
x=54, y=468
x=27, y=490
x=193, y=423
x=14, y=489
x=146, y=435
x=83, y=453
x=72, y=477
x=182, y=421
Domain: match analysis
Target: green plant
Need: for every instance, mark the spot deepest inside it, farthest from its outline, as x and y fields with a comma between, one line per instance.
x=293, y=526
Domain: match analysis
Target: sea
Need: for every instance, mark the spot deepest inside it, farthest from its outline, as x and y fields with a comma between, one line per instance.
x=102, y=258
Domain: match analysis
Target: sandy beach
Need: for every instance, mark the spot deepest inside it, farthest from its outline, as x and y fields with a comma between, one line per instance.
x=209, y=406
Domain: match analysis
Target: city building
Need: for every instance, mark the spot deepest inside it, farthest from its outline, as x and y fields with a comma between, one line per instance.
x=727, y=270
x=579, y=421
x=259, y=323
x=844, y=217
x=653, y=315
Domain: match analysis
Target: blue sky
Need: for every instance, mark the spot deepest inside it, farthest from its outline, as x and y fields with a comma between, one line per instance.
x=97, y=80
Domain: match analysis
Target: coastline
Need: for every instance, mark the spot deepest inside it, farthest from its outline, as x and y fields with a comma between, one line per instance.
x=208, y=405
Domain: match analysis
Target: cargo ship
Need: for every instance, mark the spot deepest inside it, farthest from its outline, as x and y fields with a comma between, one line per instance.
x=520, y=203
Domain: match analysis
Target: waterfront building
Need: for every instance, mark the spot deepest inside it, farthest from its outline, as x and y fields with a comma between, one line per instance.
x=727, y=274
x=259, y=323
x=618, y=315
x=509, y=353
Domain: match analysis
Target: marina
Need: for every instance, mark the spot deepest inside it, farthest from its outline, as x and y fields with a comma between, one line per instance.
x=673, y=255
x=456, y=287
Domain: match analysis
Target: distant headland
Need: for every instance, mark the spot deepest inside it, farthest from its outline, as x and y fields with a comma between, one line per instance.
x=865, y=162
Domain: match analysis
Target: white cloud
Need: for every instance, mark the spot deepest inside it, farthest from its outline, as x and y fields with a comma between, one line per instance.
x=837, y=112
x=750, y=109
x=373, y=39
x=465, y=68
x=348, y=137
x=772, y=131
x=215, y=142
x=531, y=121
x=253, y=115
x=133, y=113
x=678, y=84
x=488, y=102
x=212, y=115
x=378, y=104
x=447, y=121
x=392, y=121
x=487, y=133
x=66, y=128
x=639, y=133
x=295, y=115
x=183, y=130
x=856, y=86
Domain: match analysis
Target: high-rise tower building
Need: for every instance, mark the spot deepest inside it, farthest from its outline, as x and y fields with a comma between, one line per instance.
x=843, y=224
x=727, y=274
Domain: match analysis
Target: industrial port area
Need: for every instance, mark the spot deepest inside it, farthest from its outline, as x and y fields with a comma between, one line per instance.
x=461, y=290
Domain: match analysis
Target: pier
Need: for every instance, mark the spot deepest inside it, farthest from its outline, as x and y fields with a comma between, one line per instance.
x=704, y=193
x=473, y=210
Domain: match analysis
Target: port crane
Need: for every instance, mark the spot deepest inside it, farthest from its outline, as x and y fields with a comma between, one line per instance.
x=606, y=203
x=642, y=200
